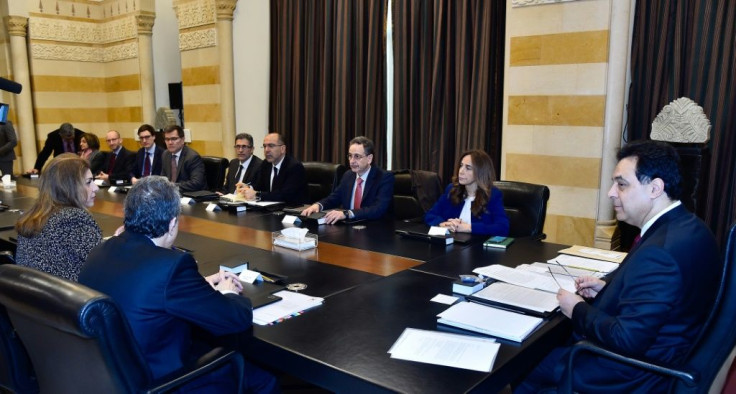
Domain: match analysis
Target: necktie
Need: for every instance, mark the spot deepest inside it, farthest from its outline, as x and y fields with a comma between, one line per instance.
x=147, y=165
x=637, y=239
x=174, y=169
x=112, y=162
x=68, y=147
x=358, y=193
x=275, y=174
x=239, y=174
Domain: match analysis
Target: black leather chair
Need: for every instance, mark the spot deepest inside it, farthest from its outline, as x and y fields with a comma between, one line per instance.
x=415, y=192
x=6, y=257
x=708, y=355
x=79, y=341
x=16, y=371
x=526, y=206
x=322, y=178
x=214, y=171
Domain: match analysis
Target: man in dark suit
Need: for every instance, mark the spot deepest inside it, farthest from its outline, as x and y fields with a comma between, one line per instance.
x=8, y=141
x=244, y=168
x=119, y=160
x=64, y=139
x=148, y=158
x=180, y=164
x=162, y=294
x=366, y=192
x=281, y=178
x=654, y=305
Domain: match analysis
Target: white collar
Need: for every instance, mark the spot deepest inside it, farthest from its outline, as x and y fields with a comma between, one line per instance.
x=651, y=221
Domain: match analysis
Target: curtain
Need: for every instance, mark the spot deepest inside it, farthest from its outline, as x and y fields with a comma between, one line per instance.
x=448, y=82
x=328, y=76
x=688, y=48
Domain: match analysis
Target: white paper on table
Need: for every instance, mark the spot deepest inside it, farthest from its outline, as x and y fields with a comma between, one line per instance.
x=584, y=263
x=441, y=348
x=290, y=304
x=526, y=278
x=444, y=299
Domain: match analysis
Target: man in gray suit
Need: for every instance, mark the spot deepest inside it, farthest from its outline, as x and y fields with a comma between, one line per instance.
x=8, y=141
x=180, y=164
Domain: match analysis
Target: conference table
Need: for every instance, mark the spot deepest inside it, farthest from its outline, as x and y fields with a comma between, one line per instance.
x=374, y=283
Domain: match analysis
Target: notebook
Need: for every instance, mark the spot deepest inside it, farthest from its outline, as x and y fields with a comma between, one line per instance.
x=201, y=195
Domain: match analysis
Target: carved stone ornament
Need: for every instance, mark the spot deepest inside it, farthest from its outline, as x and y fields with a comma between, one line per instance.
x=83, y=32
x=225, y=9
x=526, y=3
x=84, y=53
x=195, y=13
x=145, y=23
x=17, y=25
x=197, y=39
x=682, y=120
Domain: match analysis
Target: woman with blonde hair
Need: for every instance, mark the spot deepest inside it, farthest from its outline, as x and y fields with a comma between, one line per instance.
x=57, y=232
x=470, y=203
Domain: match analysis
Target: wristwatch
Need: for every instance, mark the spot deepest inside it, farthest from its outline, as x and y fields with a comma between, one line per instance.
x=346, y=212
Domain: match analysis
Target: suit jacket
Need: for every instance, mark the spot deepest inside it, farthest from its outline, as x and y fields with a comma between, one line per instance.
x=123, y=165
x=251, y=173
x=162, y=296
x=652, y=307
x=491, y=222
x=290, y=186
x=190, y=170
x=97, y=162
x=8, y=141
x=138, y=164
x=378, y=194
x=55, y=144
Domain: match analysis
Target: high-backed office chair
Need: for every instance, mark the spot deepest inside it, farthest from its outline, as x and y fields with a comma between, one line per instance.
x=711, y=349
x=526, y=206
x=16, y=371
x=79, y=341
x=415, y=192
x=322, y=178
x=6, y=257
x=214, y=170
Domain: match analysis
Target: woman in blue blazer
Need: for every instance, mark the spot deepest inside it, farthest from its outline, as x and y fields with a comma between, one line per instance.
x=470, y=203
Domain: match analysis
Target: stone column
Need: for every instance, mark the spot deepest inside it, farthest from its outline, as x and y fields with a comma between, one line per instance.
x=606, y=231
x=26, y=125
x=145, y=20
x=224, y=26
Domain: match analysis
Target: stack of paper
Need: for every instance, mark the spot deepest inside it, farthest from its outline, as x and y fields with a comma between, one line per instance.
x=520, y=297
x=452, y=350
x=527, y=278
x=592, y=265
x=489, y=320
x=291, y=304
x=595, y=253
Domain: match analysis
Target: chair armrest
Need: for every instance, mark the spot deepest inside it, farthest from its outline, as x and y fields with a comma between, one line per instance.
x=207, y=363
x=690, y=378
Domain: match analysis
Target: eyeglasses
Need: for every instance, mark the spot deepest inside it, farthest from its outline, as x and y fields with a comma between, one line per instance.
x=271, y=146
x=239, y=147
x=172, y=139
x=355, y=156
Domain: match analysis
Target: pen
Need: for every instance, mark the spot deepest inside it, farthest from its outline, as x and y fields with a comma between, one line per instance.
x=553, y=277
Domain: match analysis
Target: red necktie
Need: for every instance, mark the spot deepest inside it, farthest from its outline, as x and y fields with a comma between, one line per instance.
x=636, y=241
x=358, y=194
x=112, y=163
x=147, y=165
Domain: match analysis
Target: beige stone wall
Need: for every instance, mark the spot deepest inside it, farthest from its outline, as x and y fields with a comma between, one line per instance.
x=554, y=109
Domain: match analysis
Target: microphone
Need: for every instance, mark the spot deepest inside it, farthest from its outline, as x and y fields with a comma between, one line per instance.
x=10, y=86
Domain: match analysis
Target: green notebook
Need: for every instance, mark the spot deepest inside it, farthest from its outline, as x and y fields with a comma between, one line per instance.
x=498, y=242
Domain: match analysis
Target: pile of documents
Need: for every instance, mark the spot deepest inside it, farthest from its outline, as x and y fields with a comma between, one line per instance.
x=440, y=348
x=291, y=304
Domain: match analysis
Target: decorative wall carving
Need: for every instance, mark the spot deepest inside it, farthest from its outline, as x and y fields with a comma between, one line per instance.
x=225, y=9
x=197, y=39
x=83, y=32
x=195, y=13
x=525, y=3
x=145, y=23
x=682, y=120
x=84, y=53
x=17, y=25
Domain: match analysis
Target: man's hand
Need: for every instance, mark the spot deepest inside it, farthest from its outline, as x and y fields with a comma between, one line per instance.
x=310, y=210
x=588, y=286
x=225, y=280
x=333, y=217
x=102, y=176
x=133, y=180
x=567, y=301
x=32, y=171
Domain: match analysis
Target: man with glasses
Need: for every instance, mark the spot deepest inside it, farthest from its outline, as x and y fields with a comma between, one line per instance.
x=365, y=192
x=180, y=164
x=119, y=161
x=244, y=168
x=281, y=178
x=148, y=158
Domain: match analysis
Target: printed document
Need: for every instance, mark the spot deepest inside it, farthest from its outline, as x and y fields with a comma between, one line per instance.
x=521, y=297
x=291, y=303
x=440, y=348
x=526, y=278
x=490, y=321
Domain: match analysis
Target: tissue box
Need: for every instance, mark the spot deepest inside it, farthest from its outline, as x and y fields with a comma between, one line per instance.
x=308, y=242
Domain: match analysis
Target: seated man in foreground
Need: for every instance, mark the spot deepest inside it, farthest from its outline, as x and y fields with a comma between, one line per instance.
x=654, y=305
x=365, y=192
x=161, y=292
